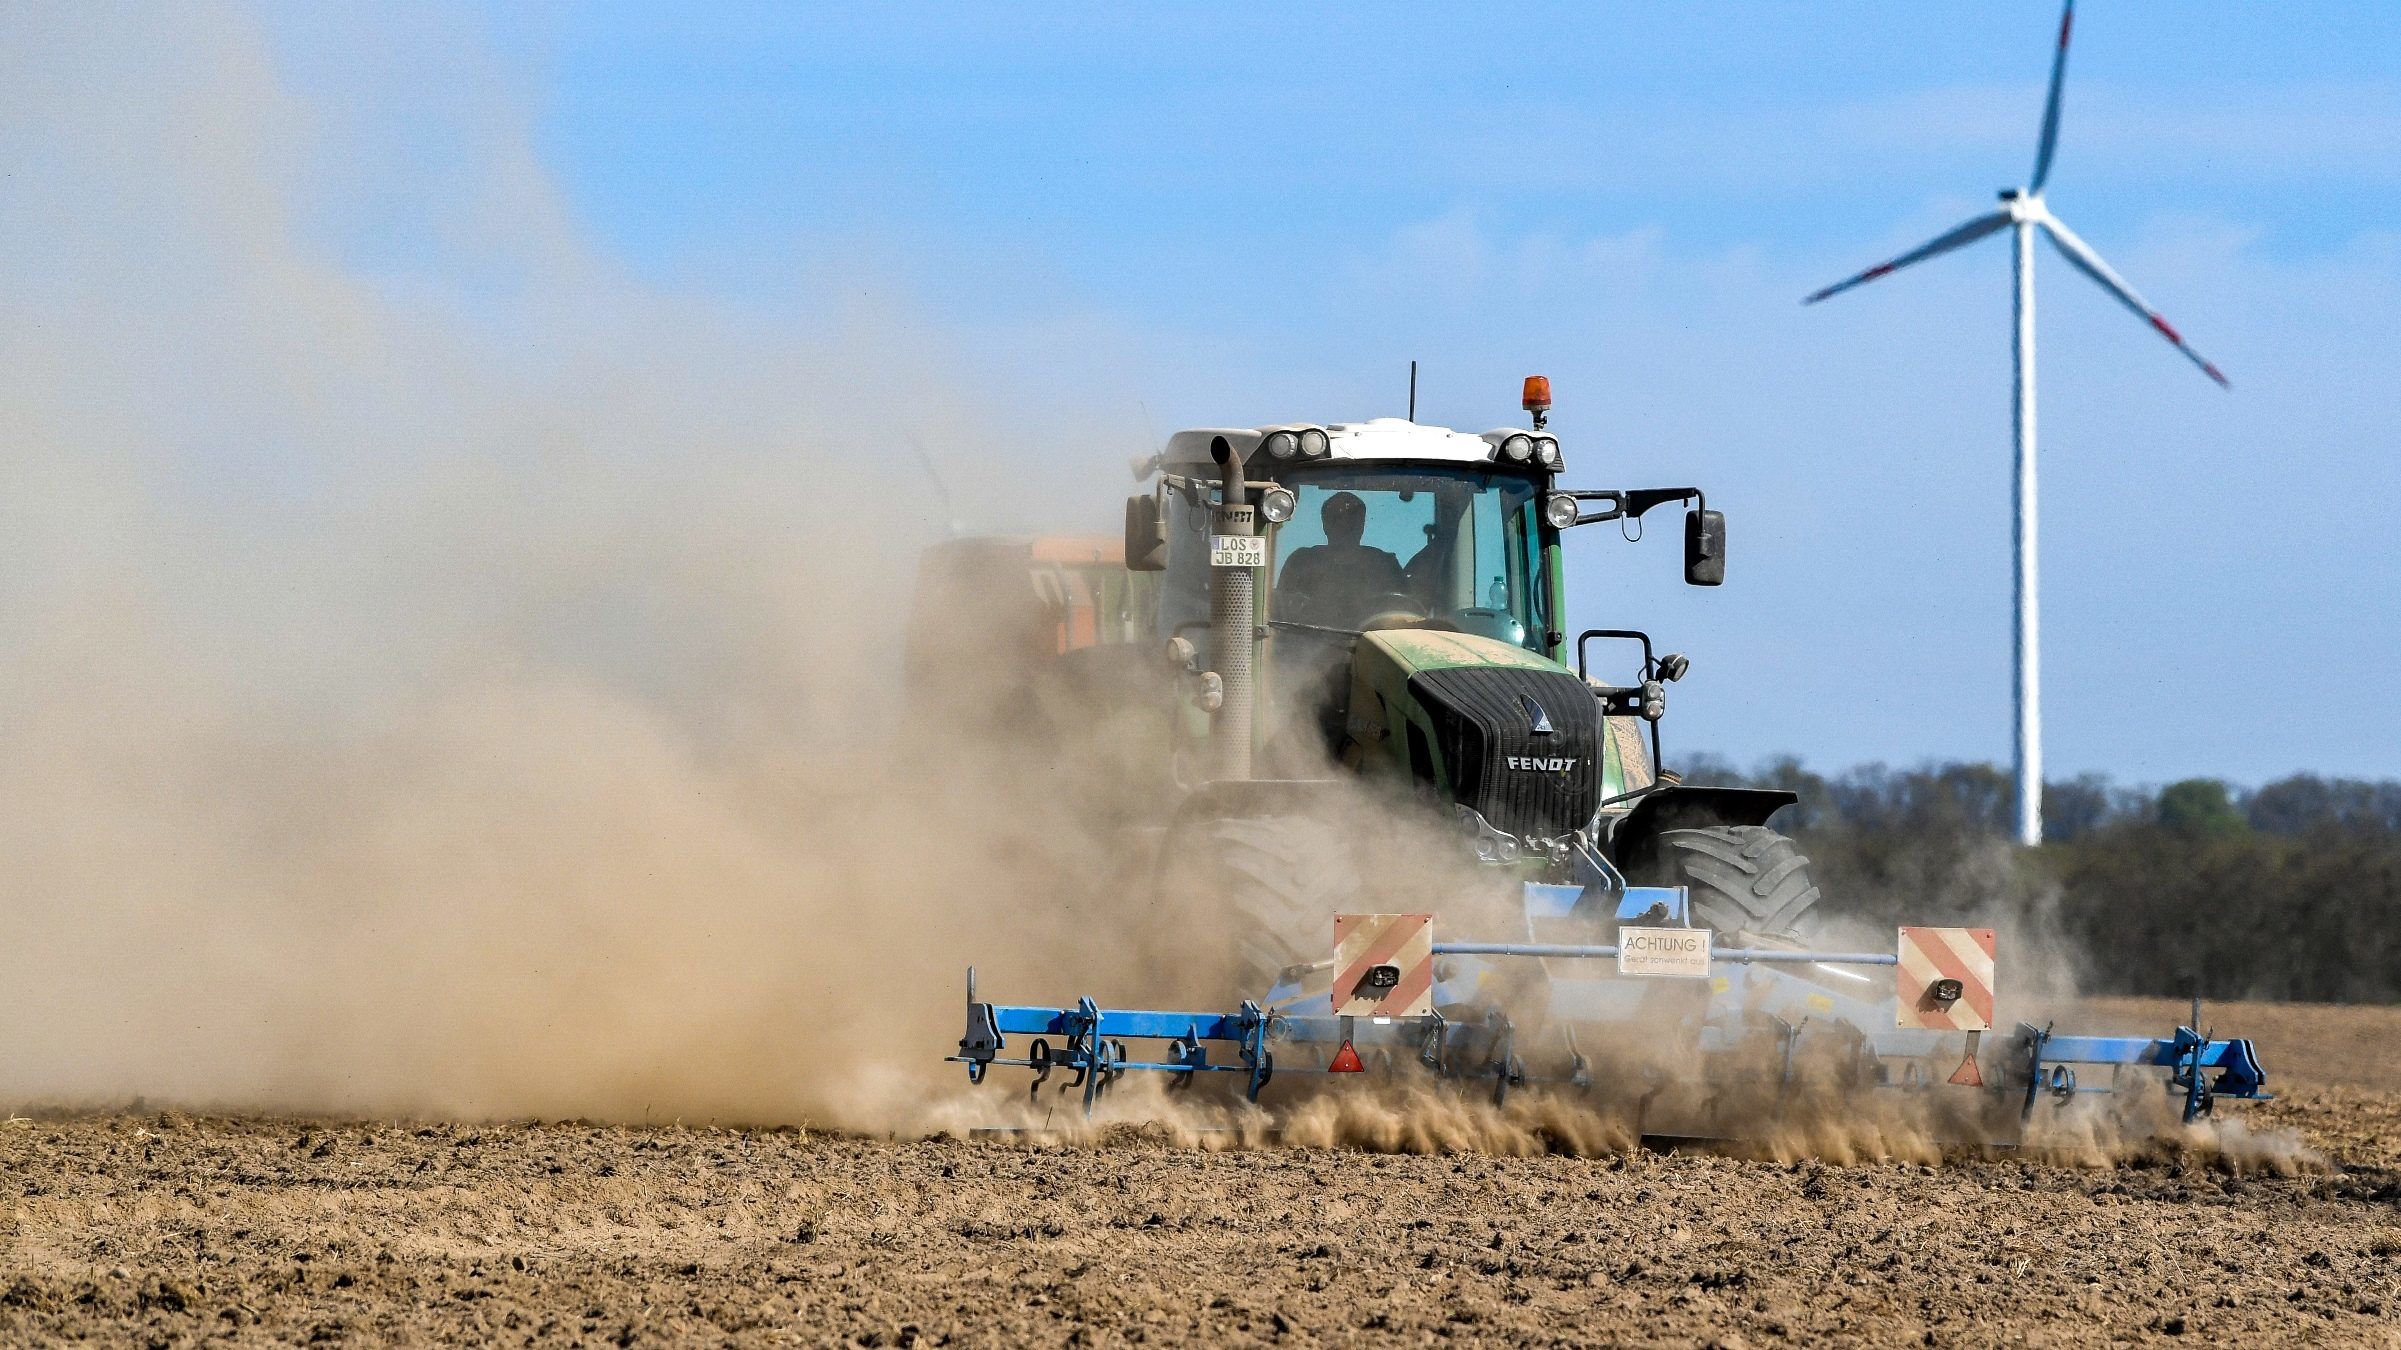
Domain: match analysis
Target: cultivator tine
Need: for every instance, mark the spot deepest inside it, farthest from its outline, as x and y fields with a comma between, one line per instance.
x=1579, y=1073
x=1504, y=1066
x=982, y=1041
x=2198, y=1100
x=1788, y=1036
x=2033, y=1038
x=1256, y=1058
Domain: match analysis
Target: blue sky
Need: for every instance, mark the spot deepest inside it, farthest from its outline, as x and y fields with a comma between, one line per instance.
x=1130, y=218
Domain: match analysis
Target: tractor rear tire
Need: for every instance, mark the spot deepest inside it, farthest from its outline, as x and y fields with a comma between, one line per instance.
x=1747, y=882
x=1272, y=885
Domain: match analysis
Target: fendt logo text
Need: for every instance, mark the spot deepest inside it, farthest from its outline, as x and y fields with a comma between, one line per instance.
x=1540, y=764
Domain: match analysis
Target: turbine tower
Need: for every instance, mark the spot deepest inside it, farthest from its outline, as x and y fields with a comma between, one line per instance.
x=2024, y=213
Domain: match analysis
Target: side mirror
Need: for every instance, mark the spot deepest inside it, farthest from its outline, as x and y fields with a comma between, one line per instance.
x=1704, y=548
x=1145, y=535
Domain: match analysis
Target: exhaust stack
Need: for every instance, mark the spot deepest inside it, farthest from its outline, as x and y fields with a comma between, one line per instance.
x=1233, y=619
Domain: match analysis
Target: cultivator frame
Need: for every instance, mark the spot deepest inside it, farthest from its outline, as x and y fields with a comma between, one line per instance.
x=1757, y=1012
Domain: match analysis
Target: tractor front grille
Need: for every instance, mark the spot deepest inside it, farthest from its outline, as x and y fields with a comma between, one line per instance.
x=1528, y=782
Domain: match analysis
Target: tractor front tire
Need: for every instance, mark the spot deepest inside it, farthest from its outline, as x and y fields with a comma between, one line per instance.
x=1746, y=882
x=1270, y=885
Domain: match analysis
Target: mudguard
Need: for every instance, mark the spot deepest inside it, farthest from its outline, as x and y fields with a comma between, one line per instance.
x=1683, y=807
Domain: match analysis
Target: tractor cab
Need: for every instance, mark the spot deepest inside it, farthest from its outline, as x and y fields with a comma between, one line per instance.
x=1375, y=525
x=1399, y=594
x=1384, y=528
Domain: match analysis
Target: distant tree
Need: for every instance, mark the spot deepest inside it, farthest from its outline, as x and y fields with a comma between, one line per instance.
x=2294, y=805
x=2306, y=802
x=2200, y=808
x=2074, y=809
x=2288, y=891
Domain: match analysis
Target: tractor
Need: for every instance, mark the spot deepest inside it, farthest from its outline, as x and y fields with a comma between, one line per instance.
x=1309, y=632
x=1309, y=607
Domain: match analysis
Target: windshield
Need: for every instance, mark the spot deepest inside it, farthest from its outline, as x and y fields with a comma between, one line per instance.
x=1376, y=545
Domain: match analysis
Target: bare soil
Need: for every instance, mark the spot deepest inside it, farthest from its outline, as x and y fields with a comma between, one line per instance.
x=166, y=1228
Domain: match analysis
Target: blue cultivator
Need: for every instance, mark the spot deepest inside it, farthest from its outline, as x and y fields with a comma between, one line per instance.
x=1628, y=1019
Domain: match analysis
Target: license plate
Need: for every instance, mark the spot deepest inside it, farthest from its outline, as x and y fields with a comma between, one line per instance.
x=1237, y=550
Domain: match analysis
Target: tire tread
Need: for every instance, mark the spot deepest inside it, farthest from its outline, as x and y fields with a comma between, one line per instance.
x=1743, y=879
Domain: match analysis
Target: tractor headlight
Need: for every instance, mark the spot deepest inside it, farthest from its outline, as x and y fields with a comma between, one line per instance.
x=1561, y=510
x=1314, y=444
x=1519, y=448
x=1546, y=453
x=1281, y=444
x=1276, y=504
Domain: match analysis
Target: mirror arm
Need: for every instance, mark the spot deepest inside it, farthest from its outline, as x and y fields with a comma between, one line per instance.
x=1633, y=504
x=1616, y=500
x=1640, y=501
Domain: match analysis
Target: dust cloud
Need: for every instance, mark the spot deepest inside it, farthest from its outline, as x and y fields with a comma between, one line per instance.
x=1415, y=1114
x=448, y=674
x=454, y=675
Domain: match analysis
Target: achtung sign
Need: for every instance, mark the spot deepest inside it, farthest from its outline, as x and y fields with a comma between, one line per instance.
x=1675, y=953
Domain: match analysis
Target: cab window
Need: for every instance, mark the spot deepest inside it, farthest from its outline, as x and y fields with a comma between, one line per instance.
x=1368, y=546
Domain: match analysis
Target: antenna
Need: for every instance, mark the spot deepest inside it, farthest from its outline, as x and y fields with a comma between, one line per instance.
x=1412, y=391
x=933, y=475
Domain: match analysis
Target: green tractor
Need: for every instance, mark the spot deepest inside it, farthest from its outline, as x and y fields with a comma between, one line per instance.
x=1383, y=603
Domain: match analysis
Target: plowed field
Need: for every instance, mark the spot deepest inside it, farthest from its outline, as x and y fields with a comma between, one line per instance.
x=168, y=1228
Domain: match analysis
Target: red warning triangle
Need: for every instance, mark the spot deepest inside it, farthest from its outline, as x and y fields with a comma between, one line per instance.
x=1967, y=1074
x=1346, y=1060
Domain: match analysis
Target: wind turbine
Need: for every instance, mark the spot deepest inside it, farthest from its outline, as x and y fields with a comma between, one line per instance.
x=2024, y=213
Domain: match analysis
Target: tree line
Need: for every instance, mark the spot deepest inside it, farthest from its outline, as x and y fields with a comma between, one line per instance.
x=2289, y=890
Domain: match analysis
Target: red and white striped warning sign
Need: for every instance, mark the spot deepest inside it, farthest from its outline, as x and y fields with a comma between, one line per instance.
x=1946, y=978
x=1383, y=965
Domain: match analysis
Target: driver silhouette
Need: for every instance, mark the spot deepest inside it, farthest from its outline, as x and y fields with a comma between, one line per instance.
x=1338, y=583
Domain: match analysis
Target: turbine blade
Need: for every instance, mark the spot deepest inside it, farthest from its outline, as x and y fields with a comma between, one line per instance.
x=2059, y=71
x=1966, y=234
x=2089, y=263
